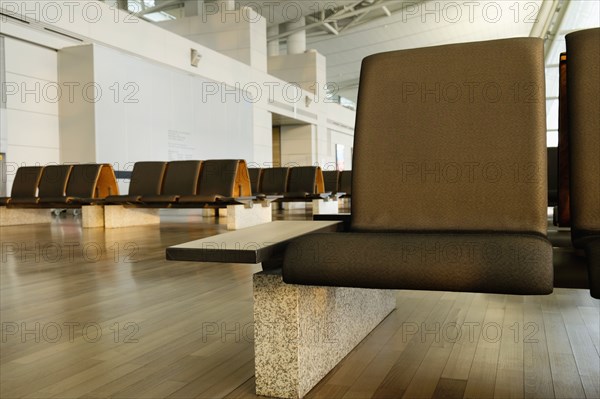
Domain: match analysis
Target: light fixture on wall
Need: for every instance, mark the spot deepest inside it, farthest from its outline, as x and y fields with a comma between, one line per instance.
x=195, y=58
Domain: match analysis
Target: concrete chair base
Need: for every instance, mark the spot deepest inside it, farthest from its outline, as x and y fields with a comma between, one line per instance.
x=116, y=216
x=92, y=216
x=322, y=207
x=21, y=216
x=240, y=217
x=302, y=332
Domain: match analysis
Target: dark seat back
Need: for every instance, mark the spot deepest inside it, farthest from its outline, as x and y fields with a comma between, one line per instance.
x=552, y=176
x=331, y=178
x=306, y=179
x=53, y=183
x=224, y=177
x=451, y=147
x=583, y=86
x=255, y=174
x=346, y=182
x=26, y=182
x=147, y=178
x=83, y=180
x=274, y=181
x=181, y=178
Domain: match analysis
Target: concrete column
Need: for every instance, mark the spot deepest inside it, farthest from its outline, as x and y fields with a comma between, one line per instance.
x=273, y=45
x=296, y=42
x=227, y=5
x=192, y=8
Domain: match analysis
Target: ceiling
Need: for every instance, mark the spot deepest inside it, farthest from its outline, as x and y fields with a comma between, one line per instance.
x=349, y=30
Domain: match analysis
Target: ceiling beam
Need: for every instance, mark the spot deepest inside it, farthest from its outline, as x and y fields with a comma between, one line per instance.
x=160, y=7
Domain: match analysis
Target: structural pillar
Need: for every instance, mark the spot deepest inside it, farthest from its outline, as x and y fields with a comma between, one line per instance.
x=296, y=42
x=273, y=45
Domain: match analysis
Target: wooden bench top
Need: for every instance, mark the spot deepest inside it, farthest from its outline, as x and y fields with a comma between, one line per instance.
x=252, y=245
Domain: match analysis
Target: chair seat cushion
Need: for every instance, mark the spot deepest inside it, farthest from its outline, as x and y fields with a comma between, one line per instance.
x=296, y=194
x=200, y=199
x=122, y=199
x=474, y=262
x=24, y=201
x=56, y=200
x=155, y=199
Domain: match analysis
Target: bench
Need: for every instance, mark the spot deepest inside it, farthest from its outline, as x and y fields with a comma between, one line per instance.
x=37, y=189
x=300, y=332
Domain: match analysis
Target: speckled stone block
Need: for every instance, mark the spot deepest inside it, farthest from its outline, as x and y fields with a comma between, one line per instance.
x=116, y=216
x=322, y=207
x=18, y=216
x=92, y=216
x=240, y=217
x=302, y=332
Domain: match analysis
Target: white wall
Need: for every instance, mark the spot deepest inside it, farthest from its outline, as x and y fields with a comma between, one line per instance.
x=147, y=111
x=118, y=31
x=31, y=118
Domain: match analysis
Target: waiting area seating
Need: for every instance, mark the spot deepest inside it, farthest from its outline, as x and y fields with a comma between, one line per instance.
x=454, y=231
x=583, y=131
x=466, y=223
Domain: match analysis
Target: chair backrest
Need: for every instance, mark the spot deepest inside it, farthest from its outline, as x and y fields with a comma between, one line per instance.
x=107, y=182
x=583, y=86
x=225, y=177
x=147, y=178
x=331, y=178
x=254, y=174
x=274, y=181
x=83, y=180
x=552, y=176
x=564, y=164
x=452, y=138
x=53, y=182
x=346, y=182
x=181, y=178
x=306, y=179
x=26, y=182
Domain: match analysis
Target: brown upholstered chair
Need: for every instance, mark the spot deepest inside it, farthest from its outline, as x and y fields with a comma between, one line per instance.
x=255, y=175
x=146, y=180
x=552, y=176
x=53, y=184
x=441, y=133
x=221, y=180
x=81, y=187
x=273, y=181
x=181, y=178
x=25, y=184
x=331, y=179
x=583, y=86
x=562, y=214
x=304, y=183
x=346, y=183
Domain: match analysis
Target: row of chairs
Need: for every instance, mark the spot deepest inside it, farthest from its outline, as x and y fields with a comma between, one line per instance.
x=469, y=230
x=153, y=184
x=302, y=183
x=61, y=186
x=338, y=182
x=192, y=183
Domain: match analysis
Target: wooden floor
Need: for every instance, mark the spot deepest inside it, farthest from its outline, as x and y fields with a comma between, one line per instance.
x=100, y=314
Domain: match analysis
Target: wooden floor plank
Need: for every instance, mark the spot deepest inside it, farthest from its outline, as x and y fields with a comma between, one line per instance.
x=537, y=376
x=565, y=376
x=449, y=389
x=482, y=376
